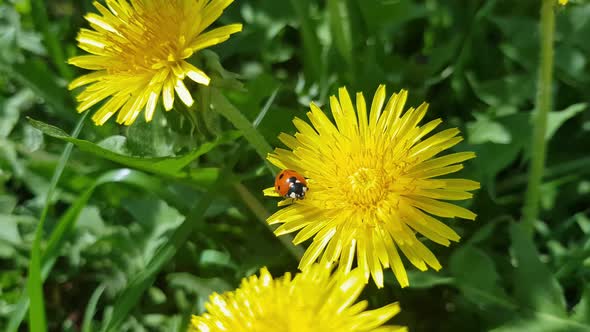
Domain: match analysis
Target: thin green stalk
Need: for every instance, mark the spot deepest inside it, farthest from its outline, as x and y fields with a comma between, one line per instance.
x=543, y=105
x=230, y=112
x=258, y=209
x=37, y=322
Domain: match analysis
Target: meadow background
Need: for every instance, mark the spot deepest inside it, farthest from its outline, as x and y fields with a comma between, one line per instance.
x=112, y=212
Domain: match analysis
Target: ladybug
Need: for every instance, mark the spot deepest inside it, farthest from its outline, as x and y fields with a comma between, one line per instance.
x=290, y=184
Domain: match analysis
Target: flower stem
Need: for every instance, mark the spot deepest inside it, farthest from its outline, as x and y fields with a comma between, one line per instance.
x=258, y=209
x=543, y=105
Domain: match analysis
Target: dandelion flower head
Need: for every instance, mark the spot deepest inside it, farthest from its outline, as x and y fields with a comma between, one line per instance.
x=312, y=301
x=374, y=183
x=139, y=51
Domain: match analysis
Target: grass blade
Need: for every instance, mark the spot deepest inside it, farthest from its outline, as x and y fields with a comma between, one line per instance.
x=230, y=112
x=37, y=321
x=341, y=28
x=312, y=59
x=91, y=308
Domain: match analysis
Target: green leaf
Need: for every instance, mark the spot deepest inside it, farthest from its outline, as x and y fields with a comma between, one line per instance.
x=54, y=47
x=156, y=295
x=35, y=75
x=541, y=324
x=7, y=203
x=312, y=60
x=229, y=111
x=484, y=130
x=197, y=285
x=91, y=308
x=535, y=286
x=11, y=109
x=571, y=61
x=169, y=166
x=157, y=219
x=33, y=138
x=376, y=14
x=67, y=222
x=341, y=28
x=493, y=158
x=428, y=279
x=508, y=90
x=216, y=257
x=37, y=322
x=127, y=300
x=476, y=276
x=581, y=312
x=556, y=119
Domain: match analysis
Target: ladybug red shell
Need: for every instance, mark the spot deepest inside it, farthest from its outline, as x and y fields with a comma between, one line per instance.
x=290, y=184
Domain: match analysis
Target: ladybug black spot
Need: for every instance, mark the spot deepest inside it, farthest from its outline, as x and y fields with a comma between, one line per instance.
x=279, y=187
x=281, y=176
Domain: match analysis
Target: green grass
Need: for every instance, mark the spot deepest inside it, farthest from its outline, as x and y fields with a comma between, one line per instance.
x=115, y=228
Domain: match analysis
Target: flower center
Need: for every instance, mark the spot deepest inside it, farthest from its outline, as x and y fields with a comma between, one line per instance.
x=367, y=187
x=151, y=42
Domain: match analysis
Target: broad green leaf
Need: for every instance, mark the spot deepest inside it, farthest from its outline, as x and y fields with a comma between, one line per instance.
x=581, y=312
x=571, y=61
x=534, y=285
x=156, y=295
x=157, y=219
x=509, y=90
x=216, y=257
x=33, y=138
x=476, y=276
x=493, y=158
x=7, y=203
x=169, y=166
x=11, y=109
x=520, y=47
x=9, y=227
x=484, y=130
x=556, y=119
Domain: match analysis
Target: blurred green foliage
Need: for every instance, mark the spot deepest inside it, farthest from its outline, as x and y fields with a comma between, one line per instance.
x=128, y=220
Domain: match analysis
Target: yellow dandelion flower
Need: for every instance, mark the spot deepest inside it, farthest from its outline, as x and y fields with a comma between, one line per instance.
x=563, y=2
x=372, y=185
x=312, y=301
x=139, y=52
